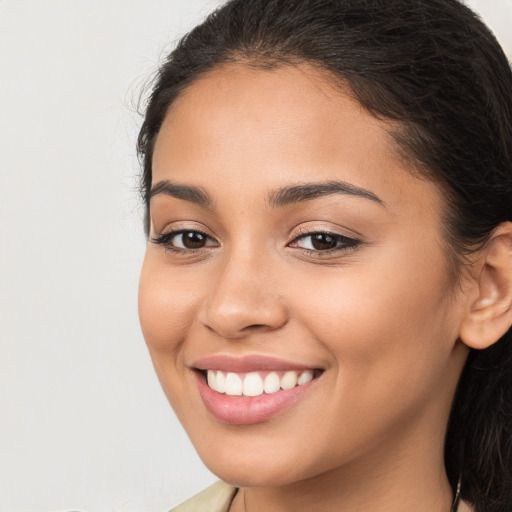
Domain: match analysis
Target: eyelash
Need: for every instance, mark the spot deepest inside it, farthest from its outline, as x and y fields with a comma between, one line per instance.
x=343, y=243
x=165, y=239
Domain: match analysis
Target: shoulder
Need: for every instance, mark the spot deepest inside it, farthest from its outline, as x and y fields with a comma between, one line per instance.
x=216, y=498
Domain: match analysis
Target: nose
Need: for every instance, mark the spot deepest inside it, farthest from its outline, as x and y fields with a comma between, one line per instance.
x=244, y=298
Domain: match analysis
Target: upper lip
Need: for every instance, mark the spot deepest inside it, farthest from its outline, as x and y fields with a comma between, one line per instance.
x=227, y=363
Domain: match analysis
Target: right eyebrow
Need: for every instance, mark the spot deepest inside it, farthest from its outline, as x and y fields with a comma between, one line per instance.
x=189, y=193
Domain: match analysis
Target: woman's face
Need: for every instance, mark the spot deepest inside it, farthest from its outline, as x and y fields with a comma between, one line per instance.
x=288, y=241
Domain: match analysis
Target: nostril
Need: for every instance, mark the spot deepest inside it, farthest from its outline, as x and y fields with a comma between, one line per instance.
x=254, y=326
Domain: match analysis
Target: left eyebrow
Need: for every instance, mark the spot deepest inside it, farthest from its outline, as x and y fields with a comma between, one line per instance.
x=308, y=191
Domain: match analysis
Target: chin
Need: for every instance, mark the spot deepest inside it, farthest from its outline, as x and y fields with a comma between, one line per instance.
x=260, y=466
x=242, y=474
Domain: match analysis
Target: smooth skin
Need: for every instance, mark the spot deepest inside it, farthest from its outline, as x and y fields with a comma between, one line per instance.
x=382, y=316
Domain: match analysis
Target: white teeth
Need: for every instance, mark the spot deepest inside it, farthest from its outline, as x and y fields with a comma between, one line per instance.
x=272, y=383
x=289, y=380
x=233, y=384
x=253, y=384
x=305, y=377
x=210, y=377
x=220, y=382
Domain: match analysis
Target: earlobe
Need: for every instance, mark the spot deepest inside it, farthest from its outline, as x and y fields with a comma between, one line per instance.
x=490, y=315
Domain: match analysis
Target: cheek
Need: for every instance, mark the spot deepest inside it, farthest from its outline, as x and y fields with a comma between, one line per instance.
x=389, y=325
x=389, y=338
x=165, y=306
x=166, y=313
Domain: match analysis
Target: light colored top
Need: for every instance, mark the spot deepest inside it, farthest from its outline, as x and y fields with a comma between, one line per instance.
x=216, y=498
x=219, y=497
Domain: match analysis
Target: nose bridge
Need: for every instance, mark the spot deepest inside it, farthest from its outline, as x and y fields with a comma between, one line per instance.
x=244, y=295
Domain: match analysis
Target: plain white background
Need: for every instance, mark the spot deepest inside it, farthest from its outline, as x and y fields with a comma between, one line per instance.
x=83, y=422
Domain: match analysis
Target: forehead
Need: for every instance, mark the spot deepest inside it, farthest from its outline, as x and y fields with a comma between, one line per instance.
x=244, y=127
x=291, y=104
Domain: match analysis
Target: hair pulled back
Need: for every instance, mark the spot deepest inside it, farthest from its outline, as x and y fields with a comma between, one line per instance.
x=437, y=73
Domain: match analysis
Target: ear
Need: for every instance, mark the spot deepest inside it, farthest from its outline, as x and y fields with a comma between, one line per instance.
x=490, y=315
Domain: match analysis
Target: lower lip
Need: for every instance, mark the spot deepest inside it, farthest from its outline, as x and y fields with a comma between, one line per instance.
x=244, y=410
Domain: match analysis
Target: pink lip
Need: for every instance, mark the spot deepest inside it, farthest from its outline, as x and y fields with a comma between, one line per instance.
x=227, y=363
x=244, y=410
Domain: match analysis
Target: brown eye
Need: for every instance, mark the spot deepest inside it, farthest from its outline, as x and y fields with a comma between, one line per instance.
x=190, y=240
x=185, y=240
x=318, y=242
x=323, y=241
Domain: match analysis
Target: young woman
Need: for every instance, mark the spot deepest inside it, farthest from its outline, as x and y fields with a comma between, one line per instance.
x=327, y=288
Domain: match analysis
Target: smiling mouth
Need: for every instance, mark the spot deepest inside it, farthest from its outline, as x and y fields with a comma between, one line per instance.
x=254, y=384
